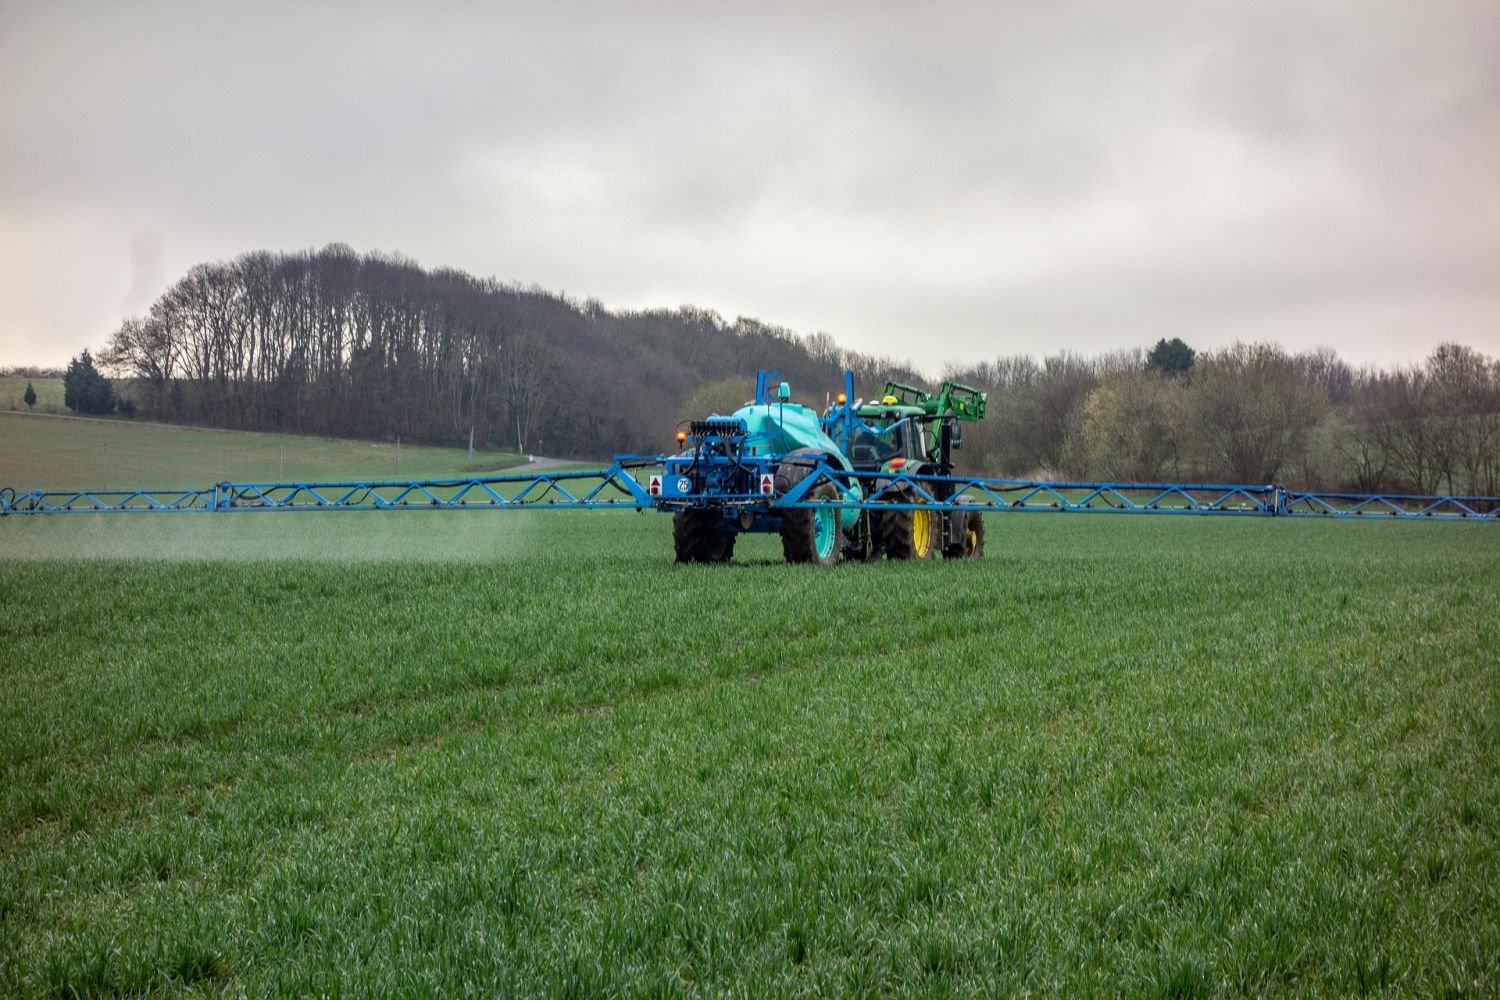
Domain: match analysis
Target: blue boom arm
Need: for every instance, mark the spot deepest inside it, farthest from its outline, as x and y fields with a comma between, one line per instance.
x=620, y=487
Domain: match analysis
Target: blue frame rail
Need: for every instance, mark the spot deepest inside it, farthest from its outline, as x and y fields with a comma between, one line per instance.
x=618, y=488
x=982, y=493
x=612, y=487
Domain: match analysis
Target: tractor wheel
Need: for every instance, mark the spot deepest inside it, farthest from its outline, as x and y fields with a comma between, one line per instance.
x=970, y=544
x=910, y=534
x=700, y=536
x=809, y=535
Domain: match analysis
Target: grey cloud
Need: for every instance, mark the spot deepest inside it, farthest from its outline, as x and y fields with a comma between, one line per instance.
x=1013, y=177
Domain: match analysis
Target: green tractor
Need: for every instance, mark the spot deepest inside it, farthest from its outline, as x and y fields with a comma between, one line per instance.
x=912, y=432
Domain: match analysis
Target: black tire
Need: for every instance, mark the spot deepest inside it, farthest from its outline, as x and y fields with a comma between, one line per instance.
x=900, y=529
x=799, y=530
x=700, y=536
x=970, y=544
x=798, y=525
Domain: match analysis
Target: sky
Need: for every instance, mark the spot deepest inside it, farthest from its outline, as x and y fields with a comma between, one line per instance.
x=935, y=182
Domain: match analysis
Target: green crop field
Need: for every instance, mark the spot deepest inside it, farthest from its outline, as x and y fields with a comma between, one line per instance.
x=72, y=453
x=522, y=753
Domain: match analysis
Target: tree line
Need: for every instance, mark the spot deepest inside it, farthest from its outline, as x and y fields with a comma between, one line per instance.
x=1249, y=413
x=373, y=345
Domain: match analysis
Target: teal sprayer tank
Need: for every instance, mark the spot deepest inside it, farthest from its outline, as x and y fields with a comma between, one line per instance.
x=783, y=428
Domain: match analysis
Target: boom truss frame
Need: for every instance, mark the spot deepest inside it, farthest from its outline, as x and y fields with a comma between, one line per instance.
x=618, y=487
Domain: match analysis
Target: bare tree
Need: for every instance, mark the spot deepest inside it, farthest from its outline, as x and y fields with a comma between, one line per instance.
x=1253, y=409
x=1331, y=374
x=528, y=372
x=144, y=349
x=1359, y=441
x=1131, y=425
x=1397, y=410
x=1465, y=406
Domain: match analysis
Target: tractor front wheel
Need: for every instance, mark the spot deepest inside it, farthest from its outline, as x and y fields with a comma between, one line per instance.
x=970, y=543
x=813, y=535
x=910, y=533
x=700, y=536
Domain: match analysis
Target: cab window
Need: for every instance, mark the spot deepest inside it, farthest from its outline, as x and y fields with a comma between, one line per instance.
x=870, y=447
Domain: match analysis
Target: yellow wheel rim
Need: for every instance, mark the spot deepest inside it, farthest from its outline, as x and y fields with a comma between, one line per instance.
x=921, y=529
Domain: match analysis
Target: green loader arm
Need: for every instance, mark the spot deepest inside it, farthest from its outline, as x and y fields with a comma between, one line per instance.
x=907, y=395
x=962, y=401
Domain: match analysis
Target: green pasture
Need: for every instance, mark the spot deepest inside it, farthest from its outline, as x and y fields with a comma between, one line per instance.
x=71, y=453
x=49, y=394
x=524, y=753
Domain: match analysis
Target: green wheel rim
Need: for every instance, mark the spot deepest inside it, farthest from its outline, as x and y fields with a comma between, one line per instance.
x=825, y=532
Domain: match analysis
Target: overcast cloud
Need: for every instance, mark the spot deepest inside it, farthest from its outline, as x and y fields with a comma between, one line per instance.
x=996, y=177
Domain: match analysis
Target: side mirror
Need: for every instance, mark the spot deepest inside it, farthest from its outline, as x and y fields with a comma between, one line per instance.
x=956, y=436
x=784, y=392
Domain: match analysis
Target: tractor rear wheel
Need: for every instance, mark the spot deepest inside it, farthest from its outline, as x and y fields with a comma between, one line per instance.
x=970, y=544
x=810, y=535
x=911, y=533
x=700, y=536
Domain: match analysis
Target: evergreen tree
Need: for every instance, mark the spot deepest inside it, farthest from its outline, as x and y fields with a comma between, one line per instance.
x=85, y=390
x=29, y=397
x=1170, y=357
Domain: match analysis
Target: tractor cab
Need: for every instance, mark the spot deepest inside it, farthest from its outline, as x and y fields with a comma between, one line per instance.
x=907, y=428
x=883, y=435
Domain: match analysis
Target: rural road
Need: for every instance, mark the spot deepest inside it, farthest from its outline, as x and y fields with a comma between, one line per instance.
x=536, y=464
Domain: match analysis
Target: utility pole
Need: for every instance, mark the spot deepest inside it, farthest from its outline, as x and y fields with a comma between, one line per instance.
x=398, y=456
x=469, y=462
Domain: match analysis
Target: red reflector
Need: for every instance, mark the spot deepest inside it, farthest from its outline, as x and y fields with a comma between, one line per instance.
x=768, y=484
x=655, y=486
x=897, y=463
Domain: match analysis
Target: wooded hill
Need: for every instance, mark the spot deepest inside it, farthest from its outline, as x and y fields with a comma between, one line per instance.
x=373, y=345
